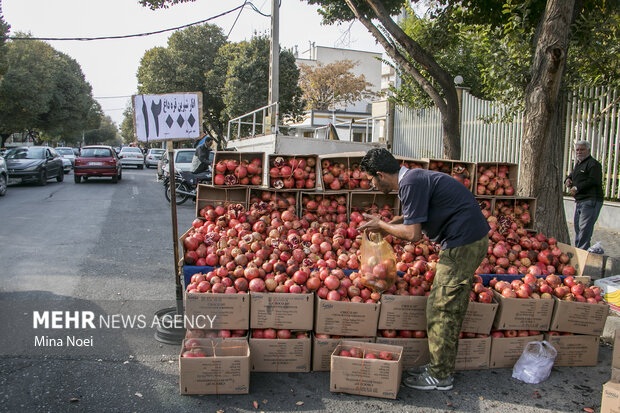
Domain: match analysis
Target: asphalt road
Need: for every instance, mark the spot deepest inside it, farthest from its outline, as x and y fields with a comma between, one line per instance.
x=108, y=249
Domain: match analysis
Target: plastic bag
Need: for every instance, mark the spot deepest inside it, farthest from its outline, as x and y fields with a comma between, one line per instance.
x=597, y=248
x=377, y=262
x=535, y=363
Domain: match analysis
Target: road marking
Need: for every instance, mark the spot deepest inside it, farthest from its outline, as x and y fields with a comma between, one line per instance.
x=135, y=190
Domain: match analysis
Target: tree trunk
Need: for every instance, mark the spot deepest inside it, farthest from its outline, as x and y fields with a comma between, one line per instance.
x=540, y=174
x=4, y=137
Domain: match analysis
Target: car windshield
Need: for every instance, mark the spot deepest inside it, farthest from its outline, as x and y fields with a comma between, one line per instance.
x=95, y=153
x=157, y=151
x=64, y=151
x=131, y=150
x=25, y=153
x=184, y=157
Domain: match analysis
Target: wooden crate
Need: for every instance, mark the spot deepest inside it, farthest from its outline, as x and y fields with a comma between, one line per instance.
x=208, y=195
x=411, y=163
x=324, y=215
x=510, y=172
x=453, y=168
x=295, y=184
x=373, y=202
x=508, y=205
x=279, y=199
x=239, y=157
x=486, y=203
x=348, y=161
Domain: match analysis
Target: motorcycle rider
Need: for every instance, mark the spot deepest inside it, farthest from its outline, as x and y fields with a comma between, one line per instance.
x=200, y=161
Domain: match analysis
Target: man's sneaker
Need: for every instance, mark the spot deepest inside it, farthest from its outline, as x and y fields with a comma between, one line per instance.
x=425, y=381
x=415, y=371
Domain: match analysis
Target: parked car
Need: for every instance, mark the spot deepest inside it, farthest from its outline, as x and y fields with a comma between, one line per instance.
x=152, y=157
x=34, y=163
x=182, y=161
x=97, y=160
x=131, y=156
x=68, y=157
x=4, y=176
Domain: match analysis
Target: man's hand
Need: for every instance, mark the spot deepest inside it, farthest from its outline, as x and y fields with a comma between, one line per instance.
x=568, y=182
x=573, y=190
x=373, y=224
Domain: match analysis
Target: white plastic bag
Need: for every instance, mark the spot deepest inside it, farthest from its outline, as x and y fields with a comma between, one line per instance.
x=597, y=248
x=535, y=363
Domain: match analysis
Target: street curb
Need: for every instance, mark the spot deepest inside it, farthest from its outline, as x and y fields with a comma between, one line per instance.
x=612, y=267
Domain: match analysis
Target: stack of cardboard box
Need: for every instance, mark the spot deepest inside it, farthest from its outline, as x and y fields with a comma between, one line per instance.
x=611, y=389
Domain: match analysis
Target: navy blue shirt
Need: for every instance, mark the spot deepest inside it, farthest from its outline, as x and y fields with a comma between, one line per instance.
x=447, y=210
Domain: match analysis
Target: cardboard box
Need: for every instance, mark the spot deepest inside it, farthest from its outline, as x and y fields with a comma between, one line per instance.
x=579, y=318
x=242, y=156
x=366, y=377
x=447, y=166
x=505, y=351
x=322, y=349
x=473, y=354
x=225, y=370
x=415, y=350
x=479, y=317
x=584, y=262
x=575, y=350
x=611, y=398
x=218, y=311
x=402, y=312
x=344, y=318
x=281, y=310
x=615, y=361
x=270, y=163
x=610, y=287
x=218, y=195
x=523, y=313
x=279, y=355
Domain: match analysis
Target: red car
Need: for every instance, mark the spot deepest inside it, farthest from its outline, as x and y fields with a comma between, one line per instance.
x=97, y=160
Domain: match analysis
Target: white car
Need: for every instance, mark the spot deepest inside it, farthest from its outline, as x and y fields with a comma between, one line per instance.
x=152, y=157
x=131, y=156
x=68, y=157
x=182, y=161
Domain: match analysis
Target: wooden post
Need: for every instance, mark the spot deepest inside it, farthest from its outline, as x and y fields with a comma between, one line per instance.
x=175, y=232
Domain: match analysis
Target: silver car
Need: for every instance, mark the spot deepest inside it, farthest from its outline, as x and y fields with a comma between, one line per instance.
x=131, y=156
x=68, y=158
x=152, y=157
x=4, y=176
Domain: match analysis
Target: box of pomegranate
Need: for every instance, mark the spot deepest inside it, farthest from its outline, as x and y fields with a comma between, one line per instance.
x=238, y=168
x=523, y=313
x=402, y=312
x=212, y=366
x=585, y=262
x=218, y=311
x=574, y=349
x=293, y=172
x=283, y=350
x=611, y=398
x=473, y=353
x=507, y=346
x=366, y=369
x=580, y=318
x=282, y=310
x=479, y=317
x=415, y=350
x=323, y=346
x=345, y=318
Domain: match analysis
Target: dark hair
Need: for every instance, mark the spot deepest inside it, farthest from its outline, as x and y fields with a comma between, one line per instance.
x=379, y=160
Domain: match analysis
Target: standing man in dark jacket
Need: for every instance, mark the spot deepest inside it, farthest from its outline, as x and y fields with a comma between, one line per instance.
x=585, y=183
x=444, y=209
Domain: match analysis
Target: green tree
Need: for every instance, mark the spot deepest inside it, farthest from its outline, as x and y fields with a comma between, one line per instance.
x=4, y=32
x=105, y=134
x=326, y=86
x=127, y=130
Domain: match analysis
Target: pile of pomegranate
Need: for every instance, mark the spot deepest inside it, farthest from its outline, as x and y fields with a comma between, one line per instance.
x=284, y=334
x=530, y=286
x=411, y=164
x=235, y=172
x=494, y=180
x=288, y=172
x=337, y=174
x=518, y=210
x=387, y=211
x=324, y=208
x=402, y=333
x=457, y=170
x=357, y=352
x=275, y=200
x=513, y=333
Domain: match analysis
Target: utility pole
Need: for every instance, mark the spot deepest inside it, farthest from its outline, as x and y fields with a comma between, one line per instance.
x=274, y=64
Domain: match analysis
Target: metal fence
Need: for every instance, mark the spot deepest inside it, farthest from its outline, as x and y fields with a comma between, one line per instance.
x=592, y=114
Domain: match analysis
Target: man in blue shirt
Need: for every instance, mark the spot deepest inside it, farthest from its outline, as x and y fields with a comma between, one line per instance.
x=447, y=212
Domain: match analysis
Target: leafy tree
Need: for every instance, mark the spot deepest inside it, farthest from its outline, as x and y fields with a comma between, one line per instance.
x=4, y=32
x=44, y=93
x=127, y=131
x=333, y=84
x=105, y=134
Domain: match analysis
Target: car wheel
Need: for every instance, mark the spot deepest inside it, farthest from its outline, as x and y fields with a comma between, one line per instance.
x=61, y=176
x=140, y=166
x=120, y=174
x=115, y=179
x=3, y=184
x=77, y=179
x=42, y=177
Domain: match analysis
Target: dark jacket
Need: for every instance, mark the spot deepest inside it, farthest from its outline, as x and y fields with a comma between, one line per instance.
x=587, y=176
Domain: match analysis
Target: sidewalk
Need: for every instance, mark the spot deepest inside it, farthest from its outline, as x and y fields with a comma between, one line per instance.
x=611, y=246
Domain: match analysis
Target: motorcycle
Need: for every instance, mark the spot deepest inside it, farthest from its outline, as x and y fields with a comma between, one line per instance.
x=186, y=184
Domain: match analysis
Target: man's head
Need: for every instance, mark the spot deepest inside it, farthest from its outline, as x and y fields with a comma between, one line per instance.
x=582, y=150
x=383, y=168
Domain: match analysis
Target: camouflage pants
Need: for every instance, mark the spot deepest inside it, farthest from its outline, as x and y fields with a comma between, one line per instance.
x=447, y=303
